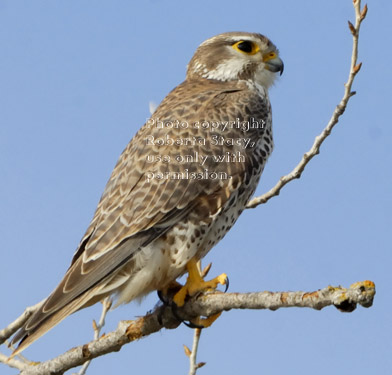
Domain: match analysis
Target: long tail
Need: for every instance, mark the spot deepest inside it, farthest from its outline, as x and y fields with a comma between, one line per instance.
x=41, y=322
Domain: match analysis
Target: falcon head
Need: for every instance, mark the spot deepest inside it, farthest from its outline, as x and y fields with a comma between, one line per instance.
x=236, y=56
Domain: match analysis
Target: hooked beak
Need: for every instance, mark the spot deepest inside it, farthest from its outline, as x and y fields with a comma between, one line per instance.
x=275, y=65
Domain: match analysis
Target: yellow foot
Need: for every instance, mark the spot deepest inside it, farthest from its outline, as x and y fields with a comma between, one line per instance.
x=195, y=284
x=206, y=322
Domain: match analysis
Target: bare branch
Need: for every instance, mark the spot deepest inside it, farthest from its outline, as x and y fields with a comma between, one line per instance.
x=192, y=354
x=194, y=366
x=20, y=356
x=8, y=331
x=12, y=362
x=106, y=305
x=162, y=317
x=339, y=110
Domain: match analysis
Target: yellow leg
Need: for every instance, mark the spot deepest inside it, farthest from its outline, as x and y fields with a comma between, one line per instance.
x=206, y=322
x=195, y=284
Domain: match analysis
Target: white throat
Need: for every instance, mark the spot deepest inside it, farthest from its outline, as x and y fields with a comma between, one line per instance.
x=222, y=72
x=230, y=72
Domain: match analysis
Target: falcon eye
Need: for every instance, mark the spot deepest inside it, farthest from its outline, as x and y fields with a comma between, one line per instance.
x=246, y=46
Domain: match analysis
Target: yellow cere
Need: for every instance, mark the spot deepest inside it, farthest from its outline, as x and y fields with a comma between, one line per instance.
x=269, y=56
x=247, y=47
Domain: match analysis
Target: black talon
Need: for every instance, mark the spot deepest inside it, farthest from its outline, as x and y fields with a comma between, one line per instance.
x=227, y=284
x=192, y=325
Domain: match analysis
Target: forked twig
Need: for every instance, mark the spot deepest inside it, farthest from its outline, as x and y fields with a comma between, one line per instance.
x=339, y=110
x=106, y=305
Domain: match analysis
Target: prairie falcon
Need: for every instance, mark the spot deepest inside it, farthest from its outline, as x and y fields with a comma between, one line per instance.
x=179, y=185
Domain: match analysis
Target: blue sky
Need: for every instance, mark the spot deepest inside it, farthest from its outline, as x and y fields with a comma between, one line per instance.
x=76, y=79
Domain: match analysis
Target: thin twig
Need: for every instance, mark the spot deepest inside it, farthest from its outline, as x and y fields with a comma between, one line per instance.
x=193, y=365
x=192, y=354
x=339, y=110
x=106, y=305
x=12, y=362
x=8, y=331
x=19, y=355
